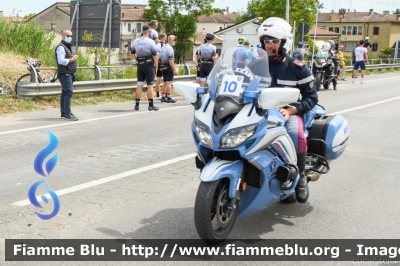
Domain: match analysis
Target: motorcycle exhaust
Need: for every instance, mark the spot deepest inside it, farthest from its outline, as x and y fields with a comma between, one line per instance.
x=314, y=176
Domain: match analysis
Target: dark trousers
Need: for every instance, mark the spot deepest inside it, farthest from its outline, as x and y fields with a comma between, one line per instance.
x=67, y=90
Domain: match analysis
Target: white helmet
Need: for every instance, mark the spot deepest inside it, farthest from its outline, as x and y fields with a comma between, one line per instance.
x=277, y=28
x=326, y=47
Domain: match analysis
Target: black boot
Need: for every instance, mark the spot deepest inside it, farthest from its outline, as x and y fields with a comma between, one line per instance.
x=302, y=187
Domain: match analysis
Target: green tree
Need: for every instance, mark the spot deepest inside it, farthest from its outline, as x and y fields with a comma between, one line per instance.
x=29, y=16
x=178, y=17
x=397, y=11
x=300, y=11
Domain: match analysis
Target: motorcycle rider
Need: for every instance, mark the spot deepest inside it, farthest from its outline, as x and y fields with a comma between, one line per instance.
x=333, y=56
x=275, y=36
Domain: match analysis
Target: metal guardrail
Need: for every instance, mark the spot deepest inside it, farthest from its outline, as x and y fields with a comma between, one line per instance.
x=30, y=90
x=377, y=66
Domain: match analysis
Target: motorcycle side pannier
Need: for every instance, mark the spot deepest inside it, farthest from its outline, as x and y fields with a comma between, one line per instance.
x=328, y=136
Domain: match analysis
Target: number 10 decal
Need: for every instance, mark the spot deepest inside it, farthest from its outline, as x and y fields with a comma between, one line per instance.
x=231, y=85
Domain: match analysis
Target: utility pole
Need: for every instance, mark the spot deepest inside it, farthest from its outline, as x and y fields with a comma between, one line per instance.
x=287, y=11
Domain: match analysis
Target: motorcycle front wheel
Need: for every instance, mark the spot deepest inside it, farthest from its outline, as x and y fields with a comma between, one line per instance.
x=212, y=218
x=318, y=78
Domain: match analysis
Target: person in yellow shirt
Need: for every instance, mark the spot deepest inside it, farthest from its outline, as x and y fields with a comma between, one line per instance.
x=342, y=63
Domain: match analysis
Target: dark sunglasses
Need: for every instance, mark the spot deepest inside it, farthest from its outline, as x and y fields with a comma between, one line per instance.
x=70, y=36
x=276, y=41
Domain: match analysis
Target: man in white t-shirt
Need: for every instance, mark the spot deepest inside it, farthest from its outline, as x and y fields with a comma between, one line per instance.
x=361, y=59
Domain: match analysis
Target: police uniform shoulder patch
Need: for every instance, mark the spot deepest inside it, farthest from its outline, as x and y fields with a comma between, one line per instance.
x=298, y=63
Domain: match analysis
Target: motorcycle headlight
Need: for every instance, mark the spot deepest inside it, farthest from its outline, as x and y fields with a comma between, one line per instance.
x=237, y=136
x=203, y=133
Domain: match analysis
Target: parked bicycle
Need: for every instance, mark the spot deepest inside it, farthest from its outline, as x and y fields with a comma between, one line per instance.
x=27, y=77
x=5, y=88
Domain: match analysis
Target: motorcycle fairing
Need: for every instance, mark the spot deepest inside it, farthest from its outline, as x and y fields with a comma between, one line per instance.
x=219, y=169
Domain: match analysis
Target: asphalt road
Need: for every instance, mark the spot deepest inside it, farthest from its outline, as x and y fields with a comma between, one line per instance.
x=128, y=174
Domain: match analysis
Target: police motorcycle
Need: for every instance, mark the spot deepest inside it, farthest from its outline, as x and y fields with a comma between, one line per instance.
x=324, y=68
x=246, y=158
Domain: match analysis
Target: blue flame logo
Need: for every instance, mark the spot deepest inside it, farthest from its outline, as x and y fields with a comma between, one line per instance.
x=38, y=166
x=51, y=163
x=34, y=201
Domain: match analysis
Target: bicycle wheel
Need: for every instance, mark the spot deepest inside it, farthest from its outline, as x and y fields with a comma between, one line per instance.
x=26, y=78
x=5, y=88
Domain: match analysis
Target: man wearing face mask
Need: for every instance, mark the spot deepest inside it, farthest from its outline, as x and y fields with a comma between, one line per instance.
x=66, y=68
x=276, y=39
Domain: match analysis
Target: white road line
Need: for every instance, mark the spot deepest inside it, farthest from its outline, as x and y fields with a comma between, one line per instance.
x=109, y=179
x=365, y=106
x=85, y=121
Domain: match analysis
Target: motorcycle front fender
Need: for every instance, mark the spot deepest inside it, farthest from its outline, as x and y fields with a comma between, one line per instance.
x=218, y=169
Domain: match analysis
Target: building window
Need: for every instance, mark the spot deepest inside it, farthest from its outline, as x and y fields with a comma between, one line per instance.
x=218, y=51
x=138, y=27
x=129, y=27
x=350, y=30
x=376, y=30
x=53, y=26
x=220, y=28
x=337, y=29
x=330, y=28
x=360, y=28
x=349, y=46
x=374, y=47
x=322, y=27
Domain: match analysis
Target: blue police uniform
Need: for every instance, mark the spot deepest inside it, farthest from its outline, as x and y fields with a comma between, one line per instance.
x=292, y=73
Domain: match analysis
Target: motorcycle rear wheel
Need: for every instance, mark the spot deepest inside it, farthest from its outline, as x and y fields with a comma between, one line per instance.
x=213, y=220
x=326, y=86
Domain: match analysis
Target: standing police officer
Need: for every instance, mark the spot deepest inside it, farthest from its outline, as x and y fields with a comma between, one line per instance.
x=276, y=39
x=145, y=52
x=208, y=54
x=66, y=68
x=168, y=69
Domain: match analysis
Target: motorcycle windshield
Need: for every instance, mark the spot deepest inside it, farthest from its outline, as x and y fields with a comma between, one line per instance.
x=233, y=73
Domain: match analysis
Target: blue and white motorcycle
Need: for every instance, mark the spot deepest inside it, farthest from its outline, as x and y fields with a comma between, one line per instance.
x=247, y=159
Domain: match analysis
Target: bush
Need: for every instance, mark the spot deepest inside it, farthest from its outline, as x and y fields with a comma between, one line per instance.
x=27, y=40
x=386, y=52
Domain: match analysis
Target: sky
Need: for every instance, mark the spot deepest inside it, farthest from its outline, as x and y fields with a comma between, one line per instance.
x=28, y=6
